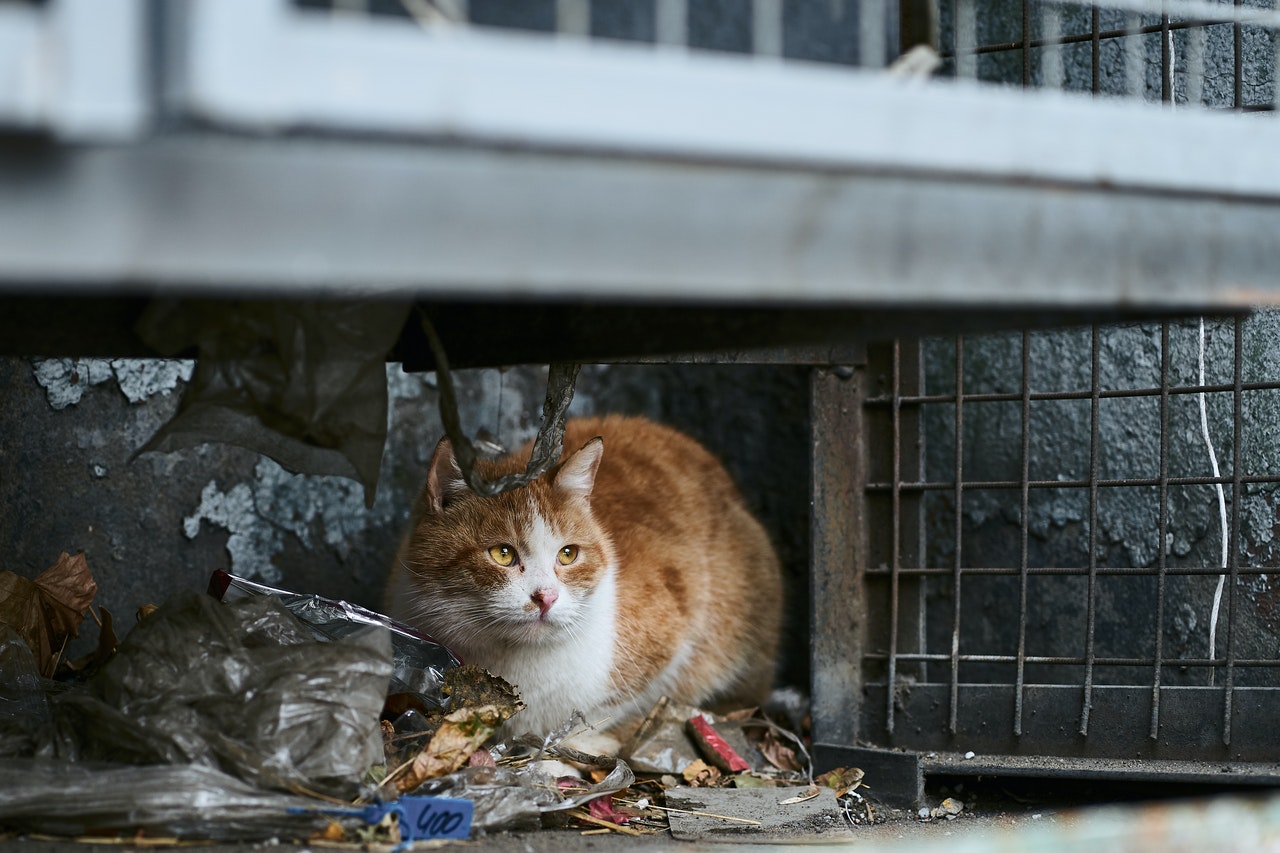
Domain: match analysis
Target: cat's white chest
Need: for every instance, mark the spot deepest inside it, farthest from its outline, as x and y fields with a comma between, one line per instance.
x=571, y=671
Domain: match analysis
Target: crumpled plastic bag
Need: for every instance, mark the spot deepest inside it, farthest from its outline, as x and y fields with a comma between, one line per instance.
x=506, y=799
x=23, y=706
x=61, y=798
x=243, y=687
x=418, y=663
x=302, y=382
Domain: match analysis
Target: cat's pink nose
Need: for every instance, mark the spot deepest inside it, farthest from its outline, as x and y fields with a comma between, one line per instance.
x=544, y=598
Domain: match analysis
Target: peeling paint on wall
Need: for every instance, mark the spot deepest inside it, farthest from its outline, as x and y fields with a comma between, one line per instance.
x=317, y=510
x=65, y=380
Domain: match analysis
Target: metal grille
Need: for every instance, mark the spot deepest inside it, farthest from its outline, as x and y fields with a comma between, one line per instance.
x=1006, y=612
x=1185, y=53
x=835, y=31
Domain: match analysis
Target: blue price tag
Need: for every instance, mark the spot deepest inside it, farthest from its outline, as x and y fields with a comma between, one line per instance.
x=433, y=817
x=420, y=818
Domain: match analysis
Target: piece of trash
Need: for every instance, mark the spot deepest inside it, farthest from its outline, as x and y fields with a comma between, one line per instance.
x=948, y=808
x=918, y=63
x=458, y=737
x=924, y=814
x=700, y=774
x=779, y=753
x=842, y=780
x=714, y=747
x=48, y=610
x=243, y=687
x=505, y=798
x=753, y=814
x=72, y=799
x=418, y=818
x=809, y=793
x=968, y=756
x=418, y=662
x=660, y=744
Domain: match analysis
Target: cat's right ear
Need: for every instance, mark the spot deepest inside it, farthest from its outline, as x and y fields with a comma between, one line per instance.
x=577, y=474
x=444, y=478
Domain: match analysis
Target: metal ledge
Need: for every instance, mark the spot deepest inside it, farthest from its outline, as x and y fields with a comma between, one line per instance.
x=213, y=214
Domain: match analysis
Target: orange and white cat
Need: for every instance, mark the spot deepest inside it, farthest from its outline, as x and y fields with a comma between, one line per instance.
x=629, y=571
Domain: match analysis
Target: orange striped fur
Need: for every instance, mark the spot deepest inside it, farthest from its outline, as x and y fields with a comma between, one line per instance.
x=636, y=571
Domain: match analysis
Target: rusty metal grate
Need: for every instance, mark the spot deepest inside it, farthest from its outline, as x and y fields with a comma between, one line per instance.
x=1198, y=55
x=989, y=630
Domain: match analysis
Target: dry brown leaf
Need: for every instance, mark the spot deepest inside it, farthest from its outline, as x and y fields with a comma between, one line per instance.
x=48, y=610
x=460, y=735
x=780, y=754
x=842, y=780
x=700, y=774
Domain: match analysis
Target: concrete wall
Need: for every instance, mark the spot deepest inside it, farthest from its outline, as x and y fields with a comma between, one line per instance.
x=1127, y=534
x=160, y=523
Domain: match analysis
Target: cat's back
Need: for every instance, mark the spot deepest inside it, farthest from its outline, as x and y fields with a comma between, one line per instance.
x=699, y=585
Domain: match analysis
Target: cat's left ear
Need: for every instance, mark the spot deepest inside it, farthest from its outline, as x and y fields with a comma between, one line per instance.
x=577, y=474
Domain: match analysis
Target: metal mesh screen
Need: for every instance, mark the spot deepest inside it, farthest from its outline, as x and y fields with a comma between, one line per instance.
x=1221, y=55
x=1072, y=558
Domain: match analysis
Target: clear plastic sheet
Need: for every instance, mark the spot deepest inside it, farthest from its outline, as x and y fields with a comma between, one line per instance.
x=418, y=663
x=24, y=710
x=61, y=798
x=506, y=799
x=302, y=382
x=243, y=687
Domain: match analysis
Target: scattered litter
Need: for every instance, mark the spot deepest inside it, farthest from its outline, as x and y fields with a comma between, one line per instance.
x=755, y=815
x=700, y=774
x=968, y=756
x=714, y=747
x=416, y=818
x=809, y=793
x=842, y=780
x=948, y=808
x=419, y=663
x=230, y=698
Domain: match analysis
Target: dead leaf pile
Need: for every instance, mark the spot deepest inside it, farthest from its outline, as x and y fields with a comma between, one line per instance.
x=441, y=742
x=47, y=611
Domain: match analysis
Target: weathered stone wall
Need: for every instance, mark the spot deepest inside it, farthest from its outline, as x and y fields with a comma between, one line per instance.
x=159, y=523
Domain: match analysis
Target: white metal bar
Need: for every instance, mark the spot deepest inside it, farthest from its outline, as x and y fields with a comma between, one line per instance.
x=766, y=27
x=1201, y=10
x=573, y=17
x=966, y=40
x=24, y=81
x=1135, y=64
x=1275, y=71
x=671, y=24
x=871, y=33
x=382, y=78
x=1195, y=66
x=1051, y=55
x=75, y=67
x=232, y=215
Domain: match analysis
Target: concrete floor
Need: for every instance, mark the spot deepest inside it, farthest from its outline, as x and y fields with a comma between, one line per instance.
x=1211, y=823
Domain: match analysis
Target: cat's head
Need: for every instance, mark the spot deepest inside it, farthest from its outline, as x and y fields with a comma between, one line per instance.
x=519, y=567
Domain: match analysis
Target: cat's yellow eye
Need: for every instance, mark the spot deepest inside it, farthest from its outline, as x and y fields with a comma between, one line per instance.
x=504, y=555
x=568, y=554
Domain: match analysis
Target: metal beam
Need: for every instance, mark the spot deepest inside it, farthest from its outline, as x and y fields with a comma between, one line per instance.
x=210, y=214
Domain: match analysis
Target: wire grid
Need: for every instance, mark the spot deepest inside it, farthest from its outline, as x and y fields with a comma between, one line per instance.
x=1222, y=55
x=848, y=32
x=931, y=602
